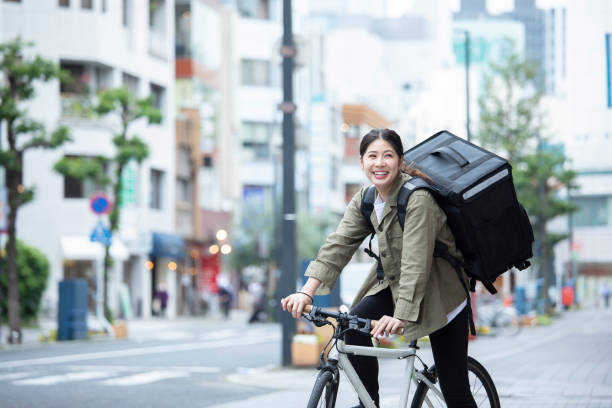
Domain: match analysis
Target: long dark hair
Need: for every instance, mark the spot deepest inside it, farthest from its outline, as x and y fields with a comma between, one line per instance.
x=391, y=137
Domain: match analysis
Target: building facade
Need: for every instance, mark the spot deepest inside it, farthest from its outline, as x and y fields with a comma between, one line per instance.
x=103, y=45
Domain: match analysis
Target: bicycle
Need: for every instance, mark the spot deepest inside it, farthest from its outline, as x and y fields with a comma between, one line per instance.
x=427, y=393
x=495, y=319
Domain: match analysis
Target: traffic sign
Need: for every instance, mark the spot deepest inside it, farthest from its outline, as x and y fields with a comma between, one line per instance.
x=100, y=203
x=101, y=234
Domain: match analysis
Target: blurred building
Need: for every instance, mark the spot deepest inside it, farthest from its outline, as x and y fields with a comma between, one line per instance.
x=207, y=184
x=103, y=44
x=583, y=122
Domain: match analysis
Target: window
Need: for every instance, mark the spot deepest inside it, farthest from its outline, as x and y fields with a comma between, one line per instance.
x=131, y=83
x=158, y=93
x=594, y=211
x=254, y=8
x=125, y=12
x=75, y=188
x=87, y=4
x=64, y=3
x=79, y=81
x=157, y=184
x=256, y=73
x=256, y=140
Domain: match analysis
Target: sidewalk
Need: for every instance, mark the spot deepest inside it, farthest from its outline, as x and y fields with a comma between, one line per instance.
x=137, y=328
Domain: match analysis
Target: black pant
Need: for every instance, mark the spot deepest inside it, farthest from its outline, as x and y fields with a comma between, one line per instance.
x=449, y=346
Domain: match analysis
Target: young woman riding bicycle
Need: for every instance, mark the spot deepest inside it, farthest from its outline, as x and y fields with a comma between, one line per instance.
x=418, y=294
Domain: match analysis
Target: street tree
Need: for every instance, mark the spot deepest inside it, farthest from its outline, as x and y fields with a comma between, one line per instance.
x=510, y=119
x=511, y=123
x=118, y=102
x=20, y=74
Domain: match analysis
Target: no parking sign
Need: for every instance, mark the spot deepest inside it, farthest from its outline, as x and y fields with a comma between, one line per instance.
x=100, y=203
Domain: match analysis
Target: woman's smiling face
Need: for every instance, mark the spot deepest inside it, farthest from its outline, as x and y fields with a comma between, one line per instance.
x=381, y=165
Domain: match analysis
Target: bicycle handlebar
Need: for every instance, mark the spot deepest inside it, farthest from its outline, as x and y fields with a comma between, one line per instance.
x=338, y=316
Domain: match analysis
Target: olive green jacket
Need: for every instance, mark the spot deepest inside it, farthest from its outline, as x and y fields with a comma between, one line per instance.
x=425, y=289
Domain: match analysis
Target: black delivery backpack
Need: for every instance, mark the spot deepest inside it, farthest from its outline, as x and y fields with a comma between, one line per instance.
x=474, y=188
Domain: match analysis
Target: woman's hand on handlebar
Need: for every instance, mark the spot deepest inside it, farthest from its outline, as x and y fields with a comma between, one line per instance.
x=388, y=325
x=295, y=303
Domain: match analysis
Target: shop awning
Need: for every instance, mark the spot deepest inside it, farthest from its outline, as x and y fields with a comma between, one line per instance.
x=81, y=248
x=168, y=246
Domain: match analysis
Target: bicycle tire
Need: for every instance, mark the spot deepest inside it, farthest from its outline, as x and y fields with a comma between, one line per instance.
x=481, y=384
x=324, y=391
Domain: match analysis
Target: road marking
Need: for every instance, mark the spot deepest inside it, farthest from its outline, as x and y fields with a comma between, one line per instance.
x=55, y=379
x=119, y=368
x=233, y=342
x=221, y=334
x=145, y=378
x=12, y=376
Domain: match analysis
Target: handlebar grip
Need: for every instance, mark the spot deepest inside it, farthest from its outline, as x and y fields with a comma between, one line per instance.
x=308, y=308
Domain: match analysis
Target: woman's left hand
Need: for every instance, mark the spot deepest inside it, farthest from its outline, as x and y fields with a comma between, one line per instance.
x=388, y=325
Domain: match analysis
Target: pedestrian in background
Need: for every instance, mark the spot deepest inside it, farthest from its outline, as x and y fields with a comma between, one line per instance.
x=604, y=292
x=162, y=295
x=258, y=300
x=418, y=294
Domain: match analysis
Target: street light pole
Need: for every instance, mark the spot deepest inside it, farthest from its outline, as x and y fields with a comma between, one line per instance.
x=467, y=84
x=289, y=253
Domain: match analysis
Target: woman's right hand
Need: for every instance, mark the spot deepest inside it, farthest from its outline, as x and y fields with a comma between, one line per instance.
x=295, y=303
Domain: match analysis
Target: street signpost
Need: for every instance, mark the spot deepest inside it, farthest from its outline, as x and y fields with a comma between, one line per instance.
x=101, y=234
x=100, y=203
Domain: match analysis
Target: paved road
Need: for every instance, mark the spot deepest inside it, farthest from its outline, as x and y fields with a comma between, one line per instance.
x=163, y=364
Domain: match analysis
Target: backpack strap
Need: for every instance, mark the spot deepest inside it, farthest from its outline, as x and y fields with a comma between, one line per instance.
x=441, y=251
x=407, y=189
x=367, y=207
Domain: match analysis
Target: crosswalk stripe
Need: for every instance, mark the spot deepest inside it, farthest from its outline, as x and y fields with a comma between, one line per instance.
x=12, y=376
x=145, y=378
x=55, y=379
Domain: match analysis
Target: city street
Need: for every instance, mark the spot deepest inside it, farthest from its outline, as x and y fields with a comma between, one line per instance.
x=204, y=363
x=164, y=363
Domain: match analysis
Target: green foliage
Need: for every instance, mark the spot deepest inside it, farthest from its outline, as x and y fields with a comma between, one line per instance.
x=33, y=271
x=312, y=232
x=20, y=75
x=82, y=168
x=252, y=244
x=511, y=121
x=510, y=118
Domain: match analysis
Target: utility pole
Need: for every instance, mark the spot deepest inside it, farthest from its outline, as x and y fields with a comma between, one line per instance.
x=467, y=84
x=289, y=252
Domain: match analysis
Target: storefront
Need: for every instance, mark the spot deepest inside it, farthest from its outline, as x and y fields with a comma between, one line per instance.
x=166, y=264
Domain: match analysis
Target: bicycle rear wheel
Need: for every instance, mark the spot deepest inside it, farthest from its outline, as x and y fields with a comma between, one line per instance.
x=482, y=387
x=324, y=392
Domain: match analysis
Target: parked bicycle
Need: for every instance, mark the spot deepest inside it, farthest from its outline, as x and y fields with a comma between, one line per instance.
x=428, y=393
x=497, y=319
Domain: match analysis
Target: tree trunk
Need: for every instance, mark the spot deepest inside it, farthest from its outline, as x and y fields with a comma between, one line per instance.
x=114, y=227
x=14, y=316
x=107, y=264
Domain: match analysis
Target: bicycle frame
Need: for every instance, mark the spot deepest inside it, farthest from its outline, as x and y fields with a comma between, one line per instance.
x=340, y=355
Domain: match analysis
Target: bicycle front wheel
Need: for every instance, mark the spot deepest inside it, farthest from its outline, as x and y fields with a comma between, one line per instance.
x=482, y=387
x=324, y=391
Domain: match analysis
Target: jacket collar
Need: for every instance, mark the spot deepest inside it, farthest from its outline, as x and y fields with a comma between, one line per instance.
x=391, y=201
x=395, y=188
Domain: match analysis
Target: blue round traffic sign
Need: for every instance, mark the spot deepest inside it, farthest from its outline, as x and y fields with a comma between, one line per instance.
x=100, y=203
